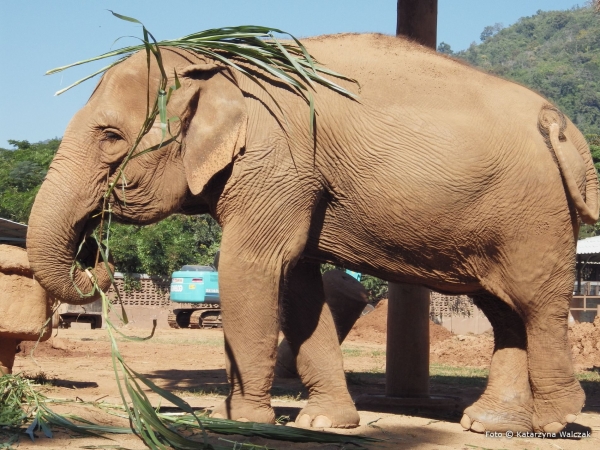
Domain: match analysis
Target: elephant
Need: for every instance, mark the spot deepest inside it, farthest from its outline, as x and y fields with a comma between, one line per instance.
x=437, y=175
x=346, y=299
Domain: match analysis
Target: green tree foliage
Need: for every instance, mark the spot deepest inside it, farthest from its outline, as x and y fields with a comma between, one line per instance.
x=376, y=288
x=164, y=247
x=445, y=48
x=556, y=53
x=489, y=31
x=594, y=142
x=22, y=170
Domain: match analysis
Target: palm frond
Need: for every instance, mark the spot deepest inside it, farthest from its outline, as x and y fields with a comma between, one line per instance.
x=253, y=44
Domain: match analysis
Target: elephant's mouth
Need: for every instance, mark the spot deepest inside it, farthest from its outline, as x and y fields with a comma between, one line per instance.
x=87, y=253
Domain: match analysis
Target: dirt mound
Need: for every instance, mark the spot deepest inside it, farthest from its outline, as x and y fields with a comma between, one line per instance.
x=373, y=327
x=461, y=350
x=585, y=344
x=475, y=350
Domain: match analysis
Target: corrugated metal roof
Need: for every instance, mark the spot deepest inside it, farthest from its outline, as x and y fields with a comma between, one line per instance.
x=588, y=246
x=12, y=232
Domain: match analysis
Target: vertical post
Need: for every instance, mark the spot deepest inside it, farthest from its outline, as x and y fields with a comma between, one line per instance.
x=408, y=313
x=407, y=356
x=579, y=274
x=417, y=19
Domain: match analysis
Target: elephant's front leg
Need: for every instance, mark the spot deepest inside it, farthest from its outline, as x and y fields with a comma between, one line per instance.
x=310, y=330
x=249, y=291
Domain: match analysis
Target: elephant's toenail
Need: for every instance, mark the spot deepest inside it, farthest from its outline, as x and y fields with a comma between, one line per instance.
x=242, y=419
x=303, y=421
x=465, y=422
x=571, y=418
x=477, y=427
x=217, y=416
x=553, y=427
x=322, y=422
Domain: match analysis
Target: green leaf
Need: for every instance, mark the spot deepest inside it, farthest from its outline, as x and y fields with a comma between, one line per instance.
x=128, y=19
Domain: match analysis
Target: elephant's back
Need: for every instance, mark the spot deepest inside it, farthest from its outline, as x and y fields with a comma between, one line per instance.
x=396, y=71
x=433, y=107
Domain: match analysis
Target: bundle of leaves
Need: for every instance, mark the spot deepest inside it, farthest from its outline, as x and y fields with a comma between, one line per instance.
x=251, y=44
x=23, y=409
x=17, y=400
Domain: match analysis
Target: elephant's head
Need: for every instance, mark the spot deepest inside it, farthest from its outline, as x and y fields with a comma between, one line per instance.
x=210, y=133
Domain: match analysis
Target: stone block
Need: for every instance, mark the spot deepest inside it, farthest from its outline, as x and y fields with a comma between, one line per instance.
x=24, y=304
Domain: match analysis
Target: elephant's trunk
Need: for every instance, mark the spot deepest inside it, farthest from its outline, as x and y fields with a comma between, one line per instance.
x=58, y=222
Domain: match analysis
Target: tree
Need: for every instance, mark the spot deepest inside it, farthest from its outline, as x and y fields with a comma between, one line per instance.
x=21, y=172
x=490, y=31
x=444, y=48
x=164, y=247
x=26, y=175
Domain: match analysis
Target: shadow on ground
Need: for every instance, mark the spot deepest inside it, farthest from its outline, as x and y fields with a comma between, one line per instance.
x=214, y=382
x=466, y=389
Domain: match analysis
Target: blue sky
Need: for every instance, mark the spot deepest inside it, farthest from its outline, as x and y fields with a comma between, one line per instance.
x=37, y=35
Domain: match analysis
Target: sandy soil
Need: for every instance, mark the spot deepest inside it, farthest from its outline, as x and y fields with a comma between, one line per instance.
x=191, y=363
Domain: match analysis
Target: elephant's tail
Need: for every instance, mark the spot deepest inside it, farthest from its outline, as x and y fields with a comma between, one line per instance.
x=552, y=124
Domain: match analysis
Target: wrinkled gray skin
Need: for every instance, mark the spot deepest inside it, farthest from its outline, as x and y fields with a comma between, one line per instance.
x=440, y=176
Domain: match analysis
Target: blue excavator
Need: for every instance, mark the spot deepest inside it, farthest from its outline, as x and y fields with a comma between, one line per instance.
x=195, y=297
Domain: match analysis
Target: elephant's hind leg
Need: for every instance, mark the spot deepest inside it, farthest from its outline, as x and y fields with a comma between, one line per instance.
x=507, y=403
x=558, y=396
x=309, y=328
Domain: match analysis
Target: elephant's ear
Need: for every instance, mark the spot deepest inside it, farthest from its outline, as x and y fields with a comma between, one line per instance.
x=216, y=130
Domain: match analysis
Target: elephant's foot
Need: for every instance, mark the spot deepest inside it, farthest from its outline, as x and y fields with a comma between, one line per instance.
x=492, y=414
x=244, y=411
x=328, y=413
x=553, y=412
x=507, y=403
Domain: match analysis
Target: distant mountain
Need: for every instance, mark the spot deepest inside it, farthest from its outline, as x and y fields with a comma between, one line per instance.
x=556, y=53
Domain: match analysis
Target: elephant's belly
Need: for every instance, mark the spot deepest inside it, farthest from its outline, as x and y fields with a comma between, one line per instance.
x=398, y=255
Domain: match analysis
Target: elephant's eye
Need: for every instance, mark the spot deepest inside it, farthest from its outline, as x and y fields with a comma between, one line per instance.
x=112, y=136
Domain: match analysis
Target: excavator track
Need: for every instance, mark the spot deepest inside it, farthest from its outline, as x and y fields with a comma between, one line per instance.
x=212, y=319
x=196, y=319
x=172, y=319
x=207, y=315
x=179, y=319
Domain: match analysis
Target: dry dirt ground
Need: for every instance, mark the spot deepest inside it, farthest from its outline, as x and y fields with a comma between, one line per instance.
x=191, y=363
